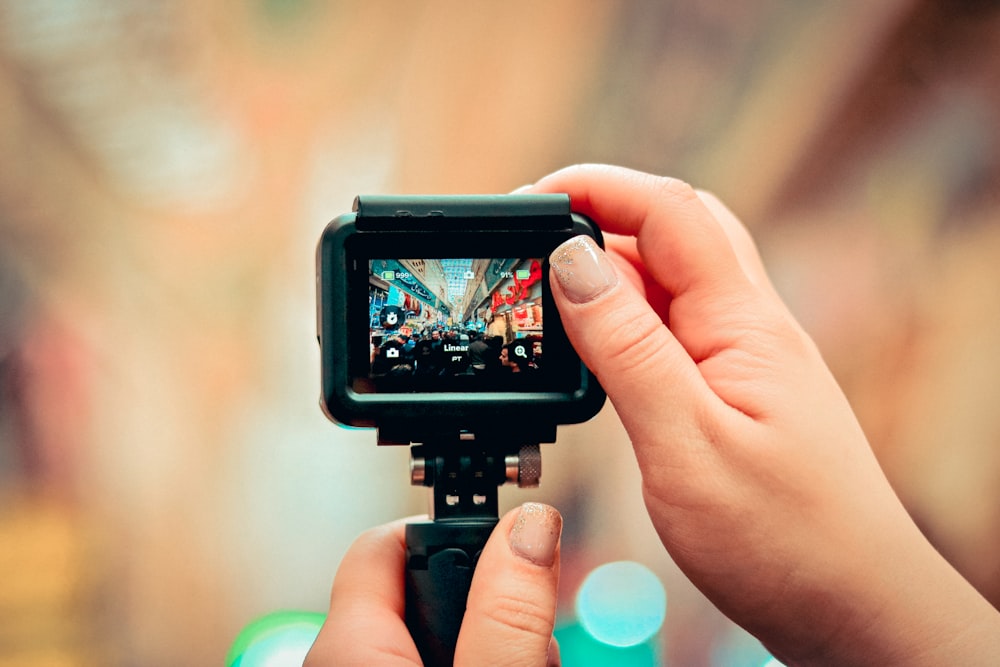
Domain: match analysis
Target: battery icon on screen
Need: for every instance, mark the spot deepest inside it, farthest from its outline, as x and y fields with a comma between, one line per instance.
x=523, y=274
x=388, y=275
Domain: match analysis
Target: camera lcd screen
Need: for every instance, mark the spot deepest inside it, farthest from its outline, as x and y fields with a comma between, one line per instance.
x=455, y=324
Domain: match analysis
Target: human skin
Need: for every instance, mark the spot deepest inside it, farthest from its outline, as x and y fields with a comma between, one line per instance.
x=510, y=613
x=755, y=471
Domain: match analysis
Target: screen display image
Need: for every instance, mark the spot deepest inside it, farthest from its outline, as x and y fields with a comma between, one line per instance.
x=447, y=324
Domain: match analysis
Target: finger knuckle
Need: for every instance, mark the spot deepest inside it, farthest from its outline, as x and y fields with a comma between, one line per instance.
x=630, y=341
x=522, y=615
x=675, y=190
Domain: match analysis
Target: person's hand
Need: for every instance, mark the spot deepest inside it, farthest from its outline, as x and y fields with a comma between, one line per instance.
x=755, y=471
x=510, y=613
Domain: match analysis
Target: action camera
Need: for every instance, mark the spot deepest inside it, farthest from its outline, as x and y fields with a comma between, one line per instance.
x=435, y=312
x=437, y=326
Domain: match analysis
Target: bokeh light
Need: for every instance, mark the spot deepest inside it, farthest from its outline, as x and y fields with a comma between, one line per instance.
x=578, y=648
x=277, y=639
x=621, y=604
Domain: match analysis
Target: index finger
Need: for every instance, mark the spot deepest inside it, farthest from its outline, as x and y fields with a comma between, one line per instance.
x=682, y=244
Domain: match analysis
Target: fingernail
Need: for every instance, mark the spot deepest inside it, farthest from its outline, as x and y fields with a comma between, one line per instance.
x=582, y=269
x=522, y=189
x=535, y=534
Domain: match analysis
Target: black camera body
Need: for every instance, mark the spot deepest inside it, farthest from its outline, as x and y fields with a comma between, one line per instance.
x=435, y=312
x=436, y=325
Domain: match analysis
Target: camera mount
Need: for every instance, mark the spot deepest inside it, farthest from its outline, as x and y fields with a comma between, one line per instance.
x=464, y=473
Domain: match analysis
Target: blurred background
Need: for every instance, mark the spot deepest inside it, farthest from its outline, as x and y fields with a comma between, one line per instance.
x=167, y=167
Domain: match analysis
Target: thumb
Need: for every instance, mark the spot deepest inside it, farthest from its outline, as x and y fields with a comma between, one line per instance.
x=622, y=339
x=511, y=609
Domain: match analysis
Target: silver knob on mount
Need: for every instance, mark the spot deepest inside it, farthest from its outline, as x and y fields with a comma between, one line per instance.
x=525, y=467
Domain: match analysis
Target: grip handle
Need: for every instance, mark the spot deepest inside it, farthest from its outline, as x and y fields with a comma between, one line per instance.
x=441, y=557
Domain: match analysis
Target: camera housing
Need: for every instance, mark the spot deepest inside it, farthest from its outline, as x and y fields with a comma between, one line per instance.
x=435, y=313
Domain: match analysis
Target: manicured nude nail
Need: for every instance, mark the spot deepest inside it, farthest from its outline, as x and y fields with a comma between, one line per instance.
x=535, y=534
x=582, y=269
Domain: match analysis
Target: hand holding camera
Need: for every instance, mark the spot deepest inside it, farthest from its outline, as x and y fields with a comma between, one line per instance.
x=756, y=473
